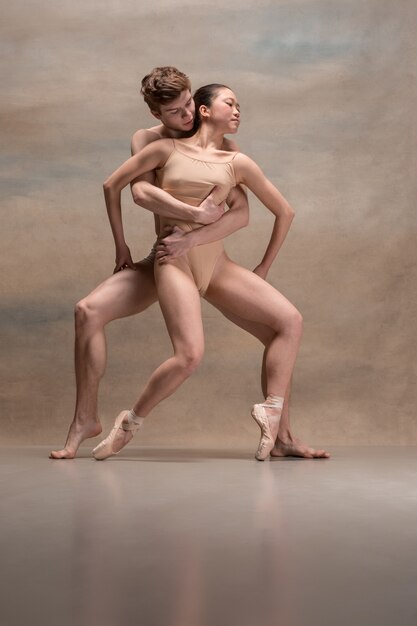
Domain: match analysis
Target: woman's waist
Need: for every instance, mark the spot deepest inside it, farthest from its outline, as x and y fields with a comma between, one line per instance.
x=171, y=221
x=165, y=223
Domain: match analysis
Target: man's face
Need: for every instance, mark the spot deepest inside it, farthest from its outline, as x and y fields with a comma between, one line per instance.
x=179, y=113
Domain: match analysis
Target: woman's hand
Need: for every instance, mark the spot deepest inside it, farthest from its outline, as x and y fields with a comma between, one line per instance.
x=123, y=259
x=261, y=270
x=175, y=244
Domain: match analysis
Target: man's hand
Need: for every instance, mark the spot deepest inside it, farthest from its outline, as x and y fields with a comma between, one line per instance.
x=123, y=259
x=210, y=210
x=173, y=245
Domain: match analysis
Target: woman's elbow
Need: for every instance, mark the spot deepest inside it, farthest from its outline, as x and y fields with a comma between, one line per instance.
x=290, y=213
x=111, y=188
x=107, y=186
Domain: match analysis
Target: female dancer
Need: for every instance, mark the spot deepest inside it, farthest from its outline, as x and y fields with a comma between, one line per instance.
x=189, y=169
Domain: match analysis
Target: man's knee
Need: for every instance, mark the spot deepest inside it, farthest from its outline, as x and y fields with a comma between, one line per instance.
x=85, y=313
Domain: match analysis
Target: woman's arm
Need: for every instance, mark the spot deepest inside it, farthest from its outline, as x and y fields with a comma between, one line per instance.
x=248, y=173
x=179, y=242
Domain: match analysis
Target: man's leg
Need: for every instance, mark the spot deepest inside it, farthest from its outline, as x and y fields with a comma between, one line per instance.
x=126, y=293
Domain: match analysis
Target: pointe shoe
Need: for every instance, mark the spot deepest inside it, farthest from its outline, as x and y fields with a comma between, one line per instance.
x=105, y=448
x=267, y=441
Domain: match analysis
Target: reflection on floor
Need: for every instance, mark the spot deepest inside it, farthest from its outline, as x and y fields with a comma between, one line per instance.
x=202, y=538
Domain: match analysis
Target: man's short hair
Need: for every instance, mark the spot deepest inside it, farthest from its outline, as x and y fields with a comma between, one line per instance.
x=162, y=85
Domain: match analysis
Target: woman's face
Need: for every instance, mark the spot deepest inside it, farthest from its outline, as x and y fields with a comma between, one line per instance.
x=224, y=111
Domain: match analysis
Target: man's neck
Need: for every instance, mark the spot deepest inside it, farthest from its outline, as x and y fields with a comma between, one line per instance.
x=170, y=133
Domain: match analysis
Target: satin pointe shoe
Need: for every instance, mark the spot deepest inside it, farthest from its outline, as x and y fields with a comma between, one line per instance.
x=105, y=448
x=267, y=440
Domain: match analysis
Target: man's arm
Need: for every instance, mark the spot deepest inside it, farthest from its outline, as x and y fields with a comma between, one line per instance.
x=139, y=140
x=178, y=243
x=146, y=195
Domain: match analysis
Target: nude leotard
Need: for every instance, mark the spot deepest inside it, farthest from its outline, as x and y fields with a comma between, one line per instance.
x=191, y=180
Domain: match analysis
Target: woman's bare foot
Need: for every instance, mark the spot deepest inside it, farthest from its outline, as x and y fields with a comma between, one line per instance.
x=294, y=447
x=77, y=433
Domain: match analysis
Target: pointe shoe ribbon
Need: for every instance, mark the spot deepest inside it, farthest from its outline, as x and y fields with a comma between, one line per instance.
x=105, y=448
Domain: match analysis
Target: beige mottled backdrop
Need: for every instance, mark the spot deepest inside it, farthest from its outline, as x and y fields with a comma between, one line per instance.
x=328, y=96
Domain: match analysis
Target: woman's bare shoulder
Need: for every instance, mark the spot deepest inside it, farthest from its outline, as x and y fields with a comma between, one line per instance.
x=244, y=160
x=246, y=169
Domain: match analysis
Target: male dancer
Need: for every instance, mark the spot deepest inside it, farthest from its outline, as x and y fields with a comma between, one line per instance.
x=167, y=91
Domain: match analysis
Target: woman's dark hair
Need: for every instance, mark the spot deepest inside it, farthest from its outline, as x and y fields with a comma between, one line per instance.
x=205, y=95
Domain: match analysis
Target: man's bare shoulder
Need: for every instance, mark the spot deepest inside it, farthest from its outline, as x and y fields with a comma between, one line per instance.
x=229, y=145
x=144, y=137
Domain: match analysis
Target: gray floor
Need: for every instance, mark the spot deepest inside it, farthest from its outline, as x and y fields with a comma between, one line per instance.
x=197, y=538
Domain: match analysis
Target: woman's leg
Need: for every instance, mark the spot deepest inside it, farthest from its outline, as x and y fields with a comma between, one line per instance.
x=286, y=444
x=263, y=333
x=126, y=293
x=181, y=307
x=242, y=292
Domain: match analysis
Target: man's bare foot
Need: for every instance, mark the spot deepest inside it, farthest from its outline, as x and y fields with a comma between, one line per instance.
x=294, y=447
x=76, y=435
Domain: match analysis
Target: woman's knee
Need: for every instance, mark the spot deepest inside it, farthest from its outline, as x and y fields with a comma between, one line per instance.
x=294, y=322
x=290, y=323
x=190, y=358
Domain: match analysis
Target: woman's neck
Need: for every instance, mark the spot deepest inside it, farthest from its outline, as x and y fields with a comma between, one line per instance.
x=206, y=137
